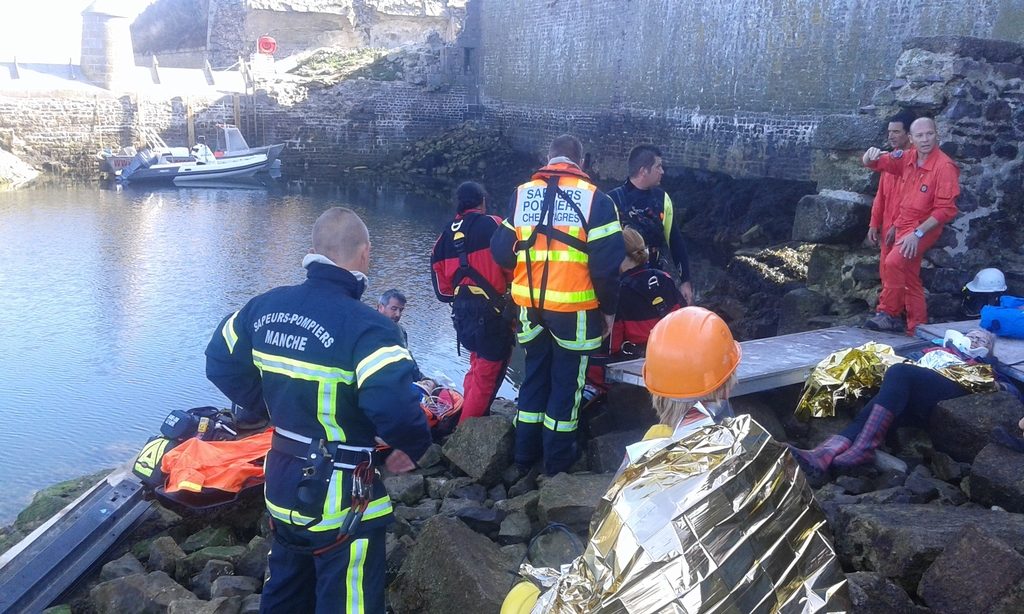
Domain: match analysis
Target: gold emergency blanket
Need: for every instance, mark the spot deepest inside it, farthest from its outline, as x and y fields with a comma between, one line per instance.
x=976, y=378
x=715, y=519
x=844, y=377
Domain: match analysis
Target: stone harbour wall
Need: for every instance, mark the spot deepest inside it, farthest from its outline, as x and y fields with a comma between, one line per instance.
x=732, y=86
x=356, y=123
x=974, y=88
x=353, y=123
x=298, y=25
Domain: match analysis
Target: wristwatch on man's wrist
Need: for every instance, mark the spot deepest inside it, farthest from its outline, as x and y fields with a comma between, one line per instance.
x=918, y=233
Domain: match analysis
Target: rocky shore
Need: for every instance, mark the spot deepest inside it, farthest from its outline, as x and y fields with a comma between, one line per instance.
x=937, y=525
x=13, y=171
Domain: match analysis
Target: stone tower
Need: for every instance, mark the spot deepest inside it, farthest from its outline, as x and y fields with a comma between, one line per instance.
x=108, y=59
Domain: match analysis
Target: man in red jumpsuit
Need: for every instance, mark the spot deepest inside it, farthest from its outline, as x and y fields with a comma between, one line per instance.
x=882, y=228
x=930, y=184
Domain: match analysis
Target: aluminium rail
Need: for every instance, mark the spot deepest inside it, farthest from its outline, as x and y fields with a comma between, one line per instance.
x=38, y=570
x=774, y=362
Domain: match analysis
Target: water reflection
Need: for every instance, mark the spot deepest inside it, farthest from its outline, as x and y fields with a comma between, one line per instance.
x=108, y=298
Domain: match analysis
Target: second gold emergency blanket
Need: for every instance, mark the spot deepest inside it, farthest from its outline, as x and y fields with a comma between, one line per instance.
x=844, y=377
x=718, y=519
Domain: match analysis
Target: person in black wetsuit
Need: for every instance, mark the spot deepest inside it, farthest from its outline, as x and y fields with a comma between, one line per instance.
x=648, y=208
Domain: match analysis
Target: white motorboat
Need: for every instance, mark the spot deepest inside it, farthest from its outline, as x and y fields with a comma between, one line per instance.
x=180, y=165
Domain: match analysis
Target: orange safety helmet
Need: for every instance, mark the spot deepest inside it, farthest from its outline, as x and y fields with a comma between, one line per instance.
x=690, y=354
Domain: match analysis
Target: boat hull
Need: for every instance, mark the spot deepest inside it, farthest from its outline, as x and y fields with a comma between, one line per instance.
x=185, y=173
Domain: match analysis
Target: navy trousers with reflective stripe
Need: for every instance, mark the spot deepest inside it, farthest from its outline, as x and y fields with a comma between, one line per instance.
x=550, y=396
x=347, y=580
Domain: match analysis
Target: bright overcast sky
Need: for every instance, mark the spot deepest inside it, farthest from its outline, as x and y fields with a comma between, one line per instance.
x=47, y=31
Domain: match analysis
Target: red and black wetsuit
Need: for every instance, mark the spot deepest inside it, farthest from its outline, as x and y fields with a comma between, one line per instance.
x=646, y=295
x=466, y=275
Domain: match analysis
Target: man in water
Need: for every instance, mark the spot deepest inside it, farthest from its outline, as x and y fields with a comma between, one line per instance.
x=392, y=305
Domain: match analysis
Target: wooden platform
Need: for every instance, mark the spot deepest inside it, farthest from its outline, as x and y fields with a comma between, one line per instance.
x=1009, y=351
x=787, y=359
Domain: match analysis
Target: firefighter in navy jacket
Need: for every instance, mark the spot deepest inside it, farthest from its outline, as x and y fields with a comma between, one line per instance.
x=336, y=379
x=647, y=208
x=465, y=274
x=564, y=244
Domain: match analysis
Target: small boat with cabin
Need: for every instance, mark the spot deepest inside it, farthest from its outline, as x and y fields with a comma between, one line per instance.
x=160, y=163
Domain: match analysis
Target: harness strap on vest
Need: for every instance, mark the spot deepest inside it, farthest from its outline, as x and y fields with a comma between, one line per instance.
x=546, y=227
x=466, y=270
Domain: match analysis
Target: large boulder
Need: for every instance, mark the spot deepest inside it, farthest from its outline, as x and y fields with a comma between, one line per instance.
x=209, y=537
x=408, y=488
x=572, y=499
x=901, y=541
x=971, y=575
x=451, y=569
x=165, y=554
x=606, y=452
x=14, y=172
x=525, y=503
x=997, y=478
x=193, y=563
x=125, y=566
x=220, y=605
x=872, y=593
x=137, y=594
x=254, y=562
x=960, y=427
x=842, y=271
x=234, y=586
x=833, y=217
x=481, y=448
x=799, y=306
x=515, y=529
x=202, y=582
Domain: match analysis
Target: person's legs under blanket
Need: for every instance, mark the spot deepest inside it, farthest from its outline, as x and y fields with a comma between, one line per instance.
x=534, y=392
x=576, y=335
x=350, y=578
x=907, y=390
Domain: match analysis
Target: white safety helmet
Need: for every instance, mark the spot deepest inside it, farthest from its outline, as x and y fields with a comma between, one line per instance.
x=988, y=280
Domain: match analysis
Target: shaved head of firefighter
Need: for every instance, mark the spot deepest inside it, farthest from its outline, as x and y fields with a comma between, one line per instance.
x=340, y=235
x=566, y=146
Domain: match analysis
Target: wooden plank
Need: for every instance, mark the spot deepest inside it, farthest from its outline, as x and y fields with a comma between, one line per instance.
x=780, y=361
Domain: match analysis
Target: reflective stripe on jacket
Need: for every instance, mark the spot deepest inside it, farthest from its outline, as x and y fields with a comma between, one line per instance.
x=566, y=246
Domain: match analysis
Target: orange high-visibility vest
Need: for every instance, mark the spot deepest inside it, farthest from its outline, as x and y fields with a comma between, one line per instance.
x=223, y=465
x=552, y=269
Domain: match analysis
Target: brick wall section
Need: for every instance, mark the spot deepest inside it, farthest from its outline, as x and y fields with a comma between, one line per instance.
x=732, y=85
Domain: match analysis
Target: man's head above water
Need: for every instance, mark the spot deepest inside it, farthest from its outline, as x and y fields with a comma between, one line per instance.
x=392, y=304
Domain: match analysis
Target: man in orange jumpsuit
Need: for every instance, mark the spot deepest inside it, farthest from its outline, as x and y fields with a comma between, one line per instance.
x=930, y=184
x=882, y=228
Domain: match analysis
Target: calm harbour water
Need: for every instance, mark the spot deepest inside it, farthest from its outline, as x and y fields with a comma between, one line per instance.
x=109, y=297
